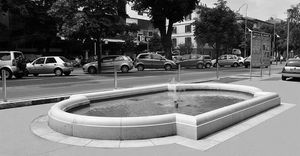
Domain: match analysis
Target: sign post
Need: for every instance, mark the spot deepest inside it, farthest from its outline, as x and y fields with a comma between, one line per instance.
x=4, y=85
x=260, y=50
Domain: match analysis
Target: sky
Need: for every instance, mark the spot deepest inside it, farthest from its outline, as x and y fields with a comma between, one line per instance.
x=260, y=9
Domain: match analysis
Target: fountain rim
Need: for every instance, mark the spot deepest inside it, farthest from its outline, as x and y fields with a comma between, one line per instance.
x=60, y=109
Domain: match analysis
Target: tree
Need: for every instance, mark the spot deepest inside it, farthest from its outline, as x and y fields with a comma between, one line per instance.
x=91, y=19
x=185, y=48
x=294, y=19
x=31, y=22
x=217, y=26
x=162, y=10
x=155, y=43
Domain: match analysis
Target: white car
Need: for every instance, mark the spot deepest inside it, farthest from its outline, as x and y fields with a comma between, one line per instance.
x=291, y=69
x=58, y=65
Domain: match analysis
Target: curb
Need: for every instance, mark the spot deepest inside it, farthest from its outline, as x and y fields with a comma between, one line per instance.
x=40, y=101
x=15, y=104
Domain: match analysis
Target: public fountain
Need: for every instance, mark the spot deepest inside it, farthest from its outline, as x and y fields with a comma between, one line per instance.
x=144, y=112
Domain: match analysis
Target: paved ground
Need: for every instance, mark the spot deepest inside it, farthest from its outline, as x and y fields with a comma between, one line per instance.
x=278, y=136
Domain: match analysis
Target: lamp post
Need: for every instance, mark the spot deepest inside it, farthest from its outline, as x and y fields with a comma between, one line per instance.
x=245, y=4
x=251, y=44
x=288, y=35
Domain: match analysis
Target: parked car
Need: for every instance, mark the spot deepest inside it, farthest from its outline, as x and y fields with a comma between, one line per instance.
x=58, y=65
x=241, y=61
x=152, y=60
x=227, y=60
x=123, y=63
x=13, y=63
x=247, y=62
x=194, y=60
x=291, y=69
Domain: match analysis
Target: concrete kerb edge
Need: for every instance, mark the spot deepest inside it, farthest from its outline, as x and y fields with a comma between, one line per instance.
x=39, y=101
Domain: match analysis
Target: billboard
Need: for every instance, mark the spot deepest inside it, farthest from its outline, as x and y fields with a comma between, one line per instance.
x=261, y=49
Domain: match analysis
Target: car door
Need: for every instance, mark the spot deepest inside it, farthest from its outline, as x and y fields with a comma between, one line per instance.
x=222, y=60
x=38, y=66
x=50, y=65
x=157, y=61
x=230, y=60
x=145, y=59
x=185, y=60
x=107, y=63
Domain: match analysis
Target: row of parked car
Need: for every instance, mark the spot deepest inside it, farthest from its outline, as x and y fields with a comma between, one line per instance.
x=14, y=64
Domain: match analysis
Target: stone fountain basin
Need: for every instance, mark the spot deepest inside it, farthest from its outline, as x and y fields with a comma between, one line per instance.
x=145, y=127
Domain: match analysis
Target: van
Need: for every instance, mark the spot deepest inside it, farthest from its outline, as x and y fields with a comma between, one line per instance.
x=13, y=63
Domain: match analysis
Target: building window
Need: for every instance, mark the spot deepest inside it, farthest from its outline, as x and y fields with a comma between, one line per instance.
x=150, y=33
x=188, y=29
x=188, y=17
x=174, y=42
x=188, y=41
x=174, y=30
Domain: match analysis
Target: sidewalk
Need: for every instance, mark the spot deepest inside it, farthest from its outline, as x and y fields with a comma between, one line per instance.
x=277, y=136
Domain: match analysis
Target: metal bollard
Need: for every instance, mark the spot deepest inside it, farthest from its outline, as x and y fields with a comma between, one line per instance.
x=4, y=85
x=115, y=77
x=179, y=67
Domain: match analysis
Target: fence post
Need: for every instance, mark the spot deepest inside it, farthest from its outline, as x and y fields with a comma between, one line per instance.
x=115, y=76
x=179, y=66
x=4, y=85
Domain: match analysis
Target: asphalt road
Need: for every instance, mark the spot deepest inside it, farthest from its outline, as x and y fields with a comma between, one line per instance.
x=79, y=82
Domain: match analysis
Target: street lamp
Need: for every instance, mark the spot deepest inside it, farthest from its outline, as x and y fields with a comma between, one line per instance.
x=251, y=44
x=245, y=4
x=288, y=35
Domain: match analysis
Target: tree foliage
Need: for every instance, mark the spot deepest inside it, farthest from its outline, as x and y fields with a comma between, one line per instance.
x=217, y=26
x=155, y=43
x=89, y=19
x=162, y=10
x=31, y=22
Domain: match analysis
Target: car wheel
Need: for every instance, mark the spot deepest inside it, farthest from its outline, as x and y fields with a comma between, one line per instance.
x=168, y=67
x=58, y=72
x=35, y=74
x=235, y=65
x=124, y=69
x=67, y=73
x=140, y=67
x=92, y=70
x=8, y=73
x=199, y=66
x=208, y=65
x=283, y=78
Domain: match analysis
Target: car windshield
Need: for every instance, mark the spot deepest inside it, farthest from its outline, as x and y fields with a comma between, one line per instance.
x=293, y=63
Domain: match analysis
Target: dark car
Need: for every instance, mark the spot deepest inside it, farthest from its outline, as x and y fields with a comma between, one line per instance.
x=152, y=60
x=195, y=60
x=121, y=62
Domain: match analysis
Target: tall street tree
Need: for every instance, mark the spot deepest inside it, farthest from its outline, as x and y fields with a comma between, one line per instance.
x=217, y=26
x=89, y=19
x=161, y=11
x=31, y=23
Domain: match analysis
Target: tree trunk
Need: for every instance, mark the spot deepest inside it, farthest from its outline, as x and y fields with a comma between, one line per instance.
x=99, y=54
x=217, y=59
x=166, y=40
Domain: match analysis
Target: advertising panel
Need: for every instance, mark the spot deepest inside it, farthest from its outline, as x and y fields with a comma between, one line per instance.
x=261, y=49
